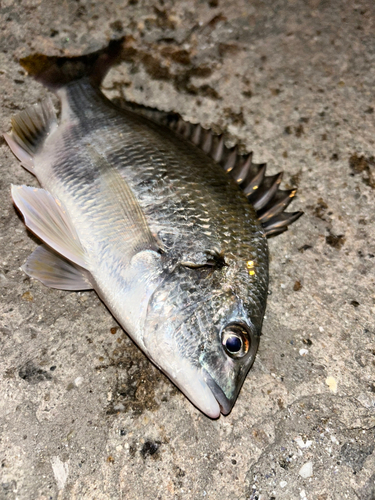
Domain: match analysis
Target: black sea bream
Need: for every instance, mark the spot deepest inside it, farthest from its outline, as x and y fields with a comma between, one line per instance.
x=168, y=226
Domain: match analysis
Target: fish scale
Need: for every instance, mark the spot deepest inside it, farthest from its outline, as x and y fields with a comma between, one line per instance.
x=120, y=141
x=151, y=219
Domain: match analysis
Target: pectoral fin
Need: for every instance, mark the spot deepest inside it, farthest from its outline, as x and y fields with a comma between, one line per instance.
x=54, y=271
x=46, y=217
x=135, y=228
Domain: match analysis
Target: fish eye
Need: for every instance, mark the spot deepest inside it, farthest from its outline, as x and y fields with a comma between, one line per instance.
x=236, y=340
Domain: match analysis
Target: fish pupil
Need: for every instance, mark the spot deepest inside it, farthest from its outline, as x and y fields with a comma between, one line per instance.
x=233, y=344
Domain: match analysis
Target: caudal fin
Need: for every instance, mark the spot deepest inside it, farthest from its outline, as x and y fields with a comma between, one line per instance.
x=55, y=72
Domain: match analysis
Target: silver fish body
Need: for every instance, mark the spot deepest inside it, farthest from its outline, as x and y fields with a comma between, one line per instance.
x=165, y=237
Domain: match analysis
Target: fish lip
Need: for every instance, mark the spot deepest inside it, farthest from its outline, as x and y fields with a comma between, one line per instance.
x=193, y=384
x=225, y=404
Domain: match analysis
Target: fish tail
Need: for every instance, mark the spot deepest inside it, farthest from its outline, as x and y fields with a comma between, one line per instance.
x=56, y=72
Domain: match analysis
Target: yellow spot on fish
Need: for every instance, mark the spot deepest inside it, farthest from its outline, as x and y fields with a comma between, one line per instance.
x=250, y=267
x=255, y=187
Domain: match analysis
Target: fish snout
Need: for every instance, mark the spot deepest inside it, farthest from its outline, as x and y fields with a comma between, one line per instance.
x=224, y=402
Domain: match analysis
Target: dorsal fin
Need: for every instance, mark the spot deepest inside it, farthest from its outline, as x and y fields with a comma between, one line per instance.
x=262, y=191
x=55, y=72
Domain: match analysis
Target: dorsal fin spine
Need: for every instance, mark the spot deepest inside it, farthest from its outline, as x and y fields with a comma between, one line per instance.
x=262, y=191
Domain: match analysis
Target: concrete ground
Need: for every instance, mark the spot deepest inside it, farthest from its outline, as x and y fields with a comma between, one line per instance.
x=83, y=414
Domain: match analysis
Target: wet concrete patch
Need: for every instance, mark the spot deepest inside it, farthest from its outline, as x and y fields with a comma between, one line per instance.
x=33, y=374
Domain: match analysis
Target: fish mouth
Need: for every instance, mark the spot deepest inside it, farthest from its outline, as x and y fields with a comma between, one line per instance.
x=200, y=388
x=204, y=392
x=225, y=404
x=194, y=384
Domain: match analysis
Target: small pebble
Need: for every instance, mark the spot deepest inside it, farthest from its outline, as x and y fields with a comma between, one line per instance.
x=306, y=470
x=332, y=384
x=28, y=296
x=301, y=443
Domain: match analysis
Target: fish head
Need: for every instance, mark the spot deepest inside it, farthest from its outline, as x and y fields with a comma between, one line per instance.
x=227, y=356
x=204, y=338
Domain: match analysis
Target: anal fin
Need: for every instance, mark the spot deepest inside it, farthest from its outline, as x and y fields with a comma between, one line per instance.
x=54, y=271
x=29, y=130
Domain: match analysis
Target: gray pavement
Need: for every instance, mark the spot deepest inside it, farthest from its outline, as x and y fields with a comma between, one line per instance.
x=83, y=414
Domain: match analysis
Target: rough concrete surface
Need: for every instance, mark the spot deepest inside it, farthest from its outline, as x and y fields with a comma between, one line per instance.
x=83, y=414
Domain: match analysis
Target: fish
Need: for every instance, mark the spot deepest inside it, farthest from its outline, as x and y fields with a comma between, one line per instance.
x=158, y=216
